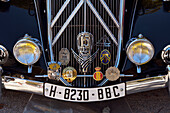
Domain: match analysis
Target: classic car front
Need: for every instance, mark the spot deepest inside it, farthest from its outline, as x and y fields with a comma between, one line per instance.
x=85, y=50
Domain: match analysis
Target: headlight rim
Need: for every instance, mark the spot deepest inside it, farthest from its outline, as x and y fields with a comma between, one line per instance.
x=35, y=42
x=134, y=41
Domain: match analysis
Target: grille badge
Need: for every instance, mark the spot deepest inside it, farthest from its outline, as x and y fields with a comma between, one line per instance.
x=112, y=73
x=69, y=74
x=84, y=44
x=98, y=75
x=104, y=42
x=105, y=57
x=54, y=71
x=64, y=56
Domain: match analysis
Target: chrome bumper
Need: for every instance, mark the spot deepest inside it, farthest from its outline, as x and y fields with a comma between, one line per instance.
x=24, y=85
x=146, y=84
x=134, y=86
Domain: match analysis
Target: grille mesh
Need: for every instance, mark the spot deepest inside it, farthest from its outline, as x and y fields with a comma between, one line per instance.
x=76, y=26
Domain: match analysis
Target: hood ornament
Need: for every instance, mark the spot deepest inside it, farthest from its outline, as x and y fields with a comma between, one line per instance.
x=85, y=42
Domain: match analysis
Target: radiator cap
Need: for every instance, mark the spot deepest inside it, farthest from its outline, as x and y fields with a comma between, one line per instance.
x=112, y=73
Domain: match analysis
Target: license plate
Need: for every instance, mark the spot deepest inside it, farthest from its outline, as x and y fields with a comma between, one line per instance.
x=84, y=94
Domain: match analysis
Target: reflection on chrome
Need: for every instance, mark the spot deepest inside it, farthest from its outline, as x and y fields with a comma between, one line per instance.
x=134, y=86
x=5, y=0
x=146, y=84
x=24, y=85
x=140, y=50
x=27, y=51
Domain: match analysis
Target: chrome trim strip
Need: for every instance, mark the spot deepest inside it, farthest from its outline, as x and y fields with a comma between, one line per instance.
x=121, y=75
x=120, y=35
x=146, y=84
x=45, y=76
x=49, y=29
x=134, y=11
x=86, y=75
x=64, y=81
x=103, y=82
x=40, y=33
x=59, y=13
x=67, y=22
x=130, y=34
x=41, y=76
x=85, y=14
x=110, y=13
x=134, y=86
x=102, y=22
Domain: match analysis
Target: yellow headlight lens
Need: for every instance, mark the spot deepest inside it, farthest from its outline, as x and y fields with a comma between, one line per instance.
x=27, y=52
x=140, y=51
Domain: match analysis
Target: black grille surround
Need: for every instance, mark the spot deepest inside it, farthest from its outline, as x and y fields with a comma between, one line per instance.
x=68, y=39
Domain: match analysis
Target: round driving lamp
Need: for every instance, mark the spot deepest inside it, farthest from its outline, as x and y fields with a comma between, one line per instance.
x=27, y=51
x=140, y=50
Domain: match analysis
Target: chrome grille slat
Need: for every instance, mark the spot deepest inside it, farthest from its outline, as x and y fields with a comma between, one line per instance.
x=69, y=35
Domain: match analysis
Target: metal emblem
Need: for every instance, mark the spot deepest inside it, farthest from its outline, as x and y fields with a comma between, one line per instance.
x=84, y=44
x=55, y=75
x=105, y=56
x=104, y=42
x=112, y=73
x=54, y=66
x=69, y=74
x=54, y=71
x=98, y=75
x=3, y=55
x=64, y=56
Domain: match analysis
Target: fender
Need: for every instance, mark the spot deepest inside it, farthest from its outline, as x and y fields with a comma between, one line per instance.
x=152, y=20
x=17, y=20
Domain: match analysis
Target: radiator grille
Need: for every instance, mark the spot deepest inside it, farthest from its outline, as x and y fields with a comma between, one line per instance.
x=76, y=26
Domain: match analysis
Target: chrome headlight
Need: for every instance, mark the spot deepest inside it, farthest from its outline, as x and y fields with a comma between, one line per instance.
x=140, y=50
x=27, y=51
